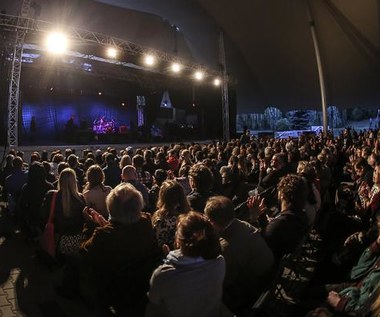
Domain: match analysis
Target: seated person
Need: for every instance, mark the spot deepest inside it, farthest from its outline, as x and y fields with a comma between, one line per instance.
x=249, y=260
x=354, y=297
x=191, y=280
x=201, y=182
x=284, y=232
x=120, y=256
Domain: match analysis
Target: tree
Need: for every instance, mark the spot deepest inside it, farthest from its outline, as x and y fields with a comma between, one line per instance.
x=283, y=125
x=299, y=119
x=334, y=116
x=272, y=115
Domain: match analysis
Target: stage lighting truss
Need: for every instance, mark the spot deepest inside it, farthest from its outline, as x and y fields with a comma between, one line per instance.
x=113, y=44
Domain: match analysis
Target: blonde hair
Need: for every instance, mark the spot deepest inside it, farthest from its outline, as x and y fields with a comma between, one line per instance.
x=67, y=185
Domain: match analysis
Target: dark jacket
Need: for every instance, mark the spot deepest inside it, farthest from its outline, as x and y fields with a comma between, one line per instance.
x=284, y=233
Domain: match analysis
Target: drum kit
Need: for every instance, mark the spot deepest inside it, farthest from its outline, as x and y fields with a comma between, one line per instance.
x=103, y=126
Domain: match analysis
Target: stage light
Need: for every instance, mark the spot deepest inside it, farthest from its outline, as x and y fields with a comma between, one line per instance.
x=123, y=104
x=57, y=42
x=149, y=60
x=176, y=67
x=217, y=82
x=199, y=75
x=112, y=52
x=99, y=93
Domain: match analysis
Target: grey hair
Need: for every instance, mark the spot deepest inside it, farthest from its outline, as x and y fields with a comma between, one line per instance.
x=124, y=204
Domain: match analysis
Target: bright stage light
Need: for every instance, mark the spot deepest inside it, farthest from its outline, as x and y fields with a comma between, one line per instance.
x=57, y=42
x=217, y=82
x=198, y=75
x=149, y=60
x=176, y=67
x=112, y=52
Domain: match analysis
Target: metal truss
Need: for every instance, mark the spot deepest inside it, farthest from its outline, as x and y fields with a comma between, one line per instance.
x=9, y=22
x=14, y=85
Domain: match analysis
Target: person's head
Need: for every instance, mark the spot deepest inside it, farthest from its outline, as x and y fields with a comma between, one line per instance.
x=373, y=160
x=128, y=173
x=361, y=166
x=61, y=166
x=196, y=237
x=172, y=197
x=138, y=161
x=376, y=175
x=201, y=178
x=94, y=176
x=125, y=160
x=72, y=160
x=292, y=192
x=109, y=158
x=160, y=175
x=220, y=211
x=306, y=169
x=17, y=163
x=36, y=174
x=278, y=161
x=124, y=204
x=185, y=155
x=67, y=181
x=35, y=157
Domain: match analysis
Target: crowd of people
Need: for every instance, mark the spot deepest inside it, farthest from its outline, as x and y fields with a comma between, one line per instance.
x=145, y=230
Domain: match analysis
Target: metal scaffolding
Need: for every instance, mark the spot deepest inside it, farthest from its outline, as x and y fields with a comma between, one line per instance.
x=14, y=85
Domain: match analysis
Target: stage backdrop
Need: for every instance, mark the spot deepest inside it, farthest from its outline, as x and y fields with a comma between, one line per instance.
x=52, y=112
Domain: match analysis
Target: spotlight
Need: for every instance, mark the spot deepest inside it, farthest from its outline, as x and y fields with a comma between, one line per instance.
x=123, y=104
x=57, y=43
x=112, y=52
x=99, y=93
x=199, y=75
x=176, y=67
x=217, y=82
x=149, y=60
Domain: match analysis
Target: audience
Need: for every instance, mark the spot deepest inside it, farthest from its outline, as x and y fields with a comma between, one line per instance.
x=335, y=194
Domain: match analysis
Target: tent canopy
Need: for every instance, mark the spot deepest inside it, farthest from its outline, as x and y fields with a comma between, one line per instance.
x=269, y=46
